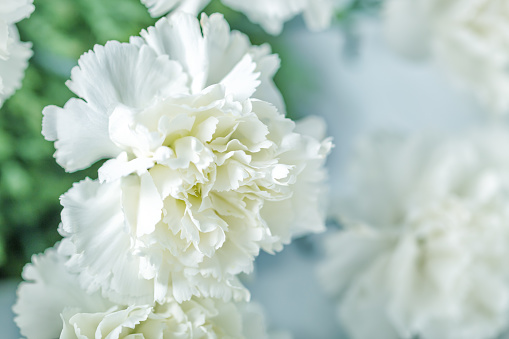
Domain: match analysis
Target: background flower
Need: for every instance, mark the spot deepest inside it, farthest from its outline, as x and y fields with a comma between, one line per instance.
x=161, y=7
x=14, y=54
x=467, y=38
x=431, y=262
x=270, y=14
x=52, y=305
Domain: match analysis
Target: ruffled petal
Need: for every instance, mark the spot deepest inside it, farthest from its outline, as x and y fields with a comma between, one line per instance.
x=92, y=219
x=180, y=39
x=78, y=129
x=48, y=289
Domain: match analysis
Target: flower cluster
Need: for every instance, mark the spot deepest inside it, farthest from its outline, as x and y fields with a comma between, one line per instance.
x=202, y=170
x=423, y=252
x=467, y=38
x=14, y=54
x=270, y=14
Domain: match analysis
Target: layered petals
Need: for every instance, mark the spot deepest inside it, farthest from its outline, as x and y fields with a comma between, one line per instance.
x=198, y=168
x=229, y=180
x=119, y=83
x=48, y=290
x=52, y=305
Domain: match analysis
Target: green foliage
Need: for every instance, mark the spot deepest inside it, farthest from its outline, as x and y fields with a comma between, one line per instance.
x=69, y=28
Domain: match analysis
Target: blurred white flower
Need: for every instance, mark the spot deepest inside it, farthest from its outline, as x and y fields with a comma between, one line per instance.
x=426, y=240
x=270, y=14
x=161, y=7
x=468, y=38
x=201, y=178
x=51, y=305
x=14, y=54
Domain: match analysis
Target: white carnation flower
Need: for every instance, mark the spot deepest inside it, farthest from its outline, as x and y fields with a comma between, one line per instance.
x=201, y=176
x=235, y=178
x=270, y=14
x=14, y=54
x=51, y=305
x=466, y=37
x=430, y=260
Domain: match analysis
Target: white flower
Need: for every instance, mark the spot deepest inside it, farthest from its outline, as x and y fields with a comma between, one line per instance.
x=14, y=54
x=236, y=178
x=172, y=60
x=270, y=14
x=431, y=261
x=51, y=305
x=201, y=176
x=161, y=7
x=468, y=38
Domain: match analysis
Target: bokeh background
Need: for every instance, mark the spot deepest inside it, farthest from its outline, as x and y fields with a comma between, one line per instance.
x=346, y=75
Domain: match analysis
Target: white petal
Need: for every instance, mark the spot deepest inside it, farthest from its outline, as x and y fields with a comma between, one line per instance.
x=129, y=75
x=49, y=288
x=180, y=39
x=109, y=325
x=160, y=7
x=93, y=220
x=78, y=129
x=242, y=80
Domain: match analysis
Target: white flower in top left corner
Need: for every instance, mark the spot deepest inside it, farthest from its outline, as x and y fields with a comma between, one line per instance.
x=202, y=174
x=14, y=54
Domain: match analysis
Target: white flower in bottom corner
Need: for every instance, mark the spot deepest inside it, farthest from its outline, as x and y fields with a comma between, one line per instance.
x=424, y=252
x=468, y=38
x=14, y=54
x=51, y=305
